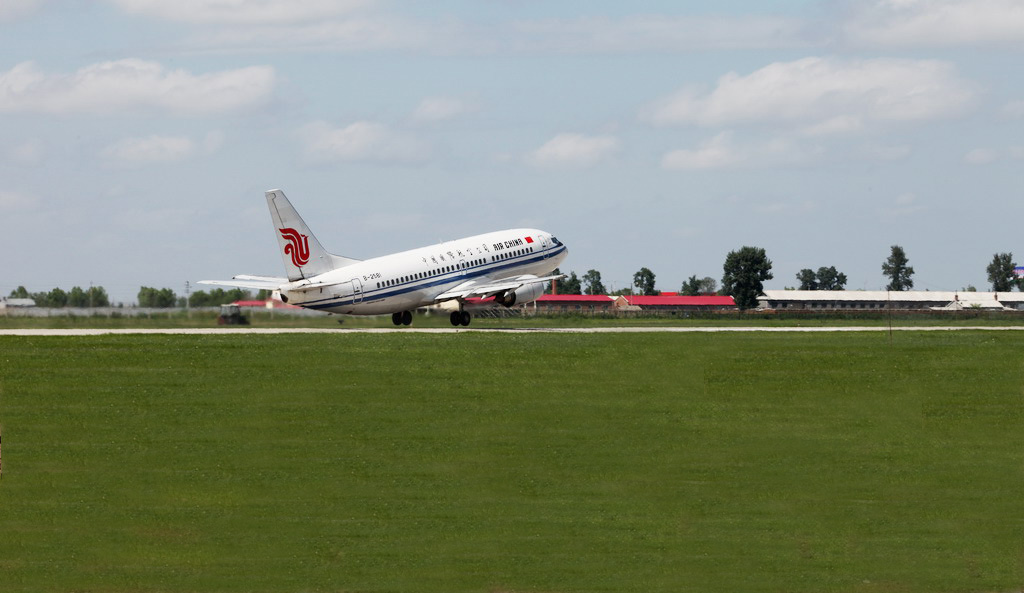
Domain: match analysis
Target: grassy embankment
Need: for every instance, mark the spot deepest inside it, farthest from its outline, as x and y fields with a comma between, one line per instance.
x=483, y=462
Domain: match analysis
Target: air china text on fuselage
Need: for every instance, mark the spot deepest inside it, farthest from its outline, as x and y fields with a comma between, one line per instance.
x=512, y=266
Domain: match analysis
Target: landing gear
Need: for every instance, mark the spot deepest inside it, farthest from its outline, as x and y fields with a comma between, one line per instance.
x=402, y=318
x=460, y=318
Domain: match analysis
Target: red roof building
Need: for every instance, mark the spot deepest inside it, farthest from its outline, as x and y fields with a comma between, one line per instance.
x=567, y=303
x=677, y=302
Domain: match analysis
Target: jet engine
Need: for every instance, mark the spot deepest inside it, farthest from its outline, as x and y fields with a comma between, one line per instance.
x=523, y=294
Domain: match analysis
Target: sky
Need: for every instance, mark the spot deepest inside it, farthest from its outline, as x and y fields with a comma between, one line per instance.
x=140, y=135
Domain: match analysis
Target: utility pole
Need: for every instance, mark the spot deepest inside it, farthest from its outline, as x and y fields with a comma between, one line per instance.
x=188, y=310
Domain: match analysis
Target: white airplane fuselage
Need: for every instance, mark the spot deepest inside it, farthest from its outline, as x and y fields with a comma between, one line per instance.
x=415, y=278
x=508, y=267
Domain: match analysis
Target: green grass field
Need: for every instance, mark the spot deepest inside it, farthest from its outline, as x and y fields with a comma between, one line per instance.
x=176, y=318
x=513, y=462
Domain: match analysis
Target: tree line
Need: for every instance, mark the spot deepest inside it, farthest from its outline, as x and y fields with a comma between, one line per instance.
x=744, y=273
x=746, y=269
x=166, y=298
x=94, y=296
x=149, y=297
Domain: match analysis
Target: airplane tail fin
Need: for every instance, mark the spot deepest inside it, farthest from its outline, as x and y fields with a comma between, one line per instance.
x=303, y=255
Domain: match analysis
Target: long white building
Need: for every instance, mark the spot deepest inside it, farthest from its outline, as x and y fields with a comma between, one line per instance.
x=867, y=300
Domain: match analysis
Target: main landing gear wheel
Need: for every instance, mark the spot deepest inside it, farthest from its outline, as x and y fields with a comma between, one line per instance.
x=402, y=318
x=460, y=318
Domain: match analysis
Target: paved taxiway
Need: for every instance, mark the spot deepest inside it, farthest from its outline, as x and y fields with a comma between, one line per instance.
x=460, y=330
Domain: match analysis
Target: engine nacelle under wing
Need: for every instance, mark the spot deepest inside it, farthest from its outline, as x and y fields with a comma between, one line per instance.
x=524, y=294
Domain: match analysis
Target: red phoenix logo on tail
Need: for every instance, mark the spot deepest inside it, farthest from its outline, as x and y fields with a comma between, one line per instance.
x=297, y=247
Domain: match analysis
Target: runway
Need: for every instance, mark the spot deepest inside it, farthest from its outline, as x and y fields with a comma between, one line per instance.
x=462, y=330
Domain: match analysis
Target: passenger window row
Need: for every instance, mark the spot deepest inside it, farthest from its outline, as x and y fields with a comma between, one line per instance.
x=511, y=254
x=422, y=275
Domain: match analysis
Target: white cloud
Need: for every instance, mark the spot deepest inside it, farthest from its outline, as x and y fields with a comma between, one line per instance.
x=903, y=205
x=1014, y=109
x=14, y=9
x=12, y=200
x=721, y=151
x=152, y=149
x=361, y=141
x=652, y=33
x=324, y=27
x=715, y=153
x=132, y=85
x=935, y=23
x=30, y=152
x=825, y=94
x=889, y=153
x=213, y=141
x=356, y=34
x=434, y=109
x=981, y=156
x=842, y=124
x=240, y=11
x=573, y=150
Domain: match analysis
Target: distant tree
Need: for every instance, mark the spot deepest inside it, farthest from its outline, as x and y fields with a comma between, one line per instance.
x=57, y=298
x=163, y=298
x=263, y=294
x=745, y=271
x=896, y=268
x=808, y=279
x=98, y=297
x=644, y=282
x=831, y=279
x=570, y=285
x=695, y=287
x=824, y=279
x=20, y=293
x=690, y=287
x=146, y=296
x=217, y=297
x=592, y=280
x=1000, y=272
x=77, y=297
x=708, y=285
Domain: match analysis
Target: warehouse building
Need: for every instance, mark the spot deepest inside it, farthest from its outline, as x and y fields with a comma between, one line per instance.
x=868, y=300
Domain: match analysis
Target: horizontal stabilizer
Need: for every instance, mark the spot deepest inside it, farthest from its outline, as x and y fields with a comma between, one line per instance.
x=254, y=282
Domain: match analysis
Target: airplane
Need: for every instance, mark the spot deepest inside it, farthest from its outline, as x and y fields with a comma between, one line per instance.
x=506, y=267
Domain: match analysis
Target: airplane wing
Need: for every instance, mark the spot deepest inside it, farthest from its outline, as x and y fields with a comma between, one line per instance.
x=488, y=288
x=245, y=281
